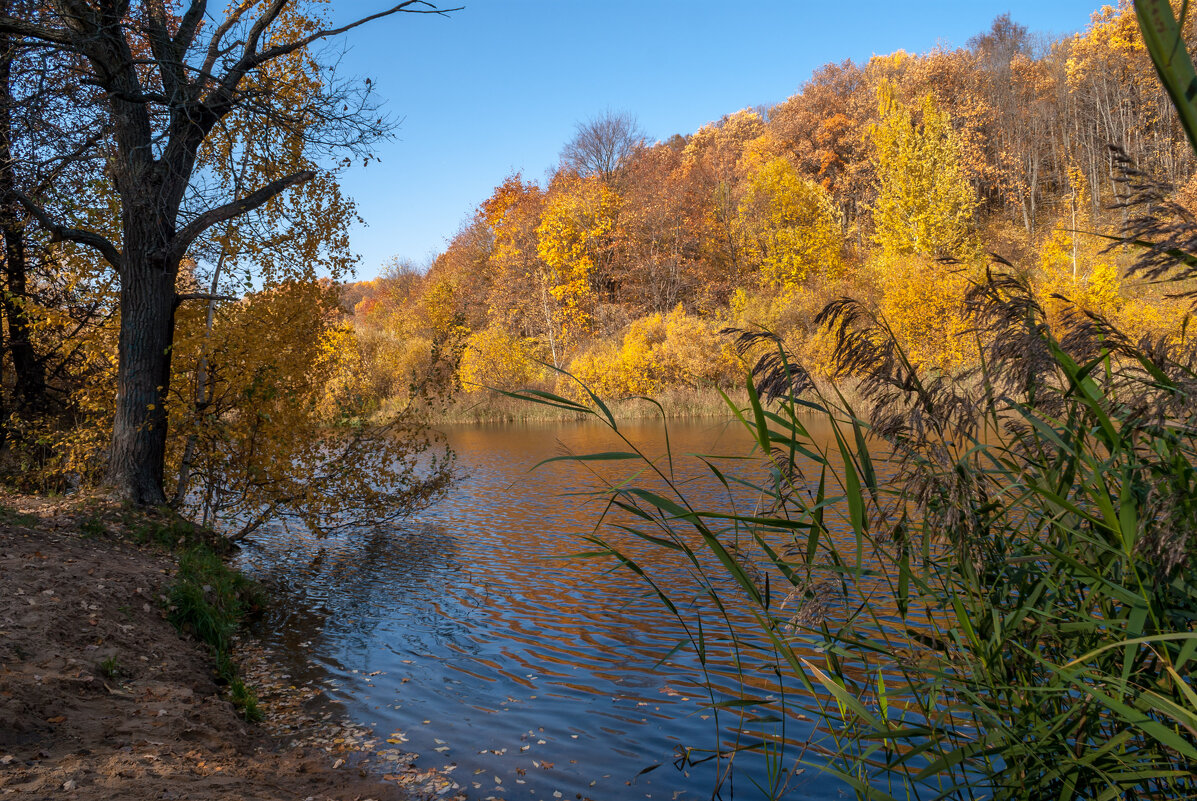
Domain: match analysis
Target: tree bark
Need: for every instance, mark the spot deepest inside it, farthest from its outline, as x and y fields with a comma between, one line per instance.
x=29, y=374
x=137, y=457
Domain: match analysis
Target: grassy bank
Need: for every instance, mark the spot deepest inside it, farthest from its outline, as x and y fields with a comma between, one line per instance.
x=207, y=599
x=478, y=407
x=210, y=600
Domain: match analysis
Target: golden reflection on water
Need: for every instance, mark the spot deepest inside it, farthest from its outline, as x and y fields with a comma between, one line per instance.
x=481, y=622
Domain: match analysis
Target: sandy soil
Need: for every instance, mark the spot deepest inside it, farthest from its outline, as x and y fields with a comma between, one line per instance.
x=100, y=697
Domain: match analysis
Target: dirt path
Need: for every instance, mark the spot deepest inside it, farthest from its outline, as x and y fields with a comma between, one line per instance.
x=100, y=697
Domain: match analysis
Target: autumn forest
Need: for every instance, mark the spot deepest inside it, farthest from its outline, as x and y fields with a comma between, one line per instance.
x=893, y=181
x=874, y=181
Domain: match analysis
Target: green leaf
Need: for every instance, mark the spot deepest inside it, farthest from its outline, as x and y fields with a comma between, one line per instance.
x=609, y=456
x=758, y=412
x=1164, y=39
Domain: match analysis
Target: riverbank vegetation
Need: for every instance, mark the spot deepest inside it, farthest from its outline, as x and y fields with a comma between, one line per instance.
x=981, y=587
x=624, y=265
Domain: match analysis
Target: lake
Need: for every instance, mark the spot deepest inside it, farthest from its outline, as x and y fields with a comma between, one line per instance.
x=471, y=632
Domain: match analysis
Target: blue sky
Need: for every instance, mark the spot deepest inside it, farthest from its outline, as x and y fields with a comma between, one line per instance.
x=499, y=86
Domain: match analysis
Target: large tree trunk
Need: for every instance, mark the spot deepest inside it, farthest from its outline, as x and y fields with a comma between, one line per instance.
x=137, y=458
x=27, y=367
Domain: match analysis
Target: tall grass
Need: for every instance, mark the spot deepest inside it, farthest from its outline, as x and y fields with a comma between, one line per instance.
x=986, y=586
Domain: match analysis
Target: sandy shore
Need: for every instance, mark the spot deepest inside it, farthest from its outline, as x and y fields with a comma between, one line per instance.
x=100, y=696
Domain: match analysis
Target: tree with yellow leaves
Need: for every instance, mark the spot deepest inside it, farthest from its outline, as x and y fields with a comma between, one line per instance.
x=279, y=435
x=495, y=359
x=169, y=77
x=575, y=241
x=924, y=203
x=790, y=225
x=924, y=212
x=269, y=389
x=520, y=298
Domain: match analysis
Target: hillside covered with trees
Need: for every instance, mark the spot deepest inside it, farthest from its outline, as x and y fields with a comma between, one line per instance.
x=890, y=181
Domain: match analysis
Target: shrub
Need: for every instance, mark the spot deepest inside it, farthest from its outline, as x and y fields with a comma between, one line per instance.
x=495, y=358
x=658, y=351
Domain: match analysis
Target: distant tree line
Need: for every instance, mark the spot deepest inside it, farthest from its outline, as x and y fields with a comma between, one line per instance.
x=887, y=181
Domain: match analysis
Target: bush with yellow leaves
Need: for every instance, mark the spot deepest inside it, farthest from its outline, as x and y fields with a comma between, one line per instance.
x=923, y=303
x=658, y=352
x=1076, y=268
x=494, y=358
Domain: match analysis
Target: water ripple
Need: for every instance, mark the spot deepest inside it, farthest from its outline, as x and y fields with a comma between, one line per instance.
x=481, y=625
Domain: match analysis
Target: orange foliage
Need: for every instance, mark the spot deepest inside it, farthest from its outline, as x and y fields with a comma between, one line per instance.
x=763, y=216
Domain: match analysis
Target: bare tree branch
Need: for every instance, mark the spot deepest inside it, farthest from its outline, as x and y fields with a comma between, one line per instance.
x=214, y=49
x=166, y=51
x=185, y=296
x=190, y=24
x=59, y=232
x=234, y=208
x=19, y=27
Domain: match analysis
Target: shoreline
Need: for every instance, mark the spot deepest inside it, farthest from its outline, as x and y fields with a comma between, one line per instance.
x=480, y=408
x=102, y=698
x=488, y=408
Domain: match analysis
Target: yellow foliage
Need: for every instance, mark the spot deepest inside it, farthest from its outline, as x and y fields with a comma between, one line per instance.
x=888, y=67
x=46, y=454
x=441, y=309
x=279, y=422
x=695, y=353
x=494, y=358
x=657, y=352
x=599, y=368
x=759, y=151
x=574, y=232
x=922, y=302
x=792, y=317
x=1156, y=318
x=1112, y=42
x=345, y=389
x=755, y=309
x=392, y=362
x=925, y=203
x=727, y=147
x=1075, y=267
x=791, y=225
x=733, y=133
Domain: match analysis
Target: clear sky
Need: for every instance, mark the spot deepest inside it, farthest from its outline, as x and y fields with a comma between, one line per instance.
x=498, y=86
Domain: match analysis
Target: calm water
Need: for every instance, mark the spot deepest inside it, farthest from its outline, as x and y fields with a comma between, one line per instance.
x=472, y=630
